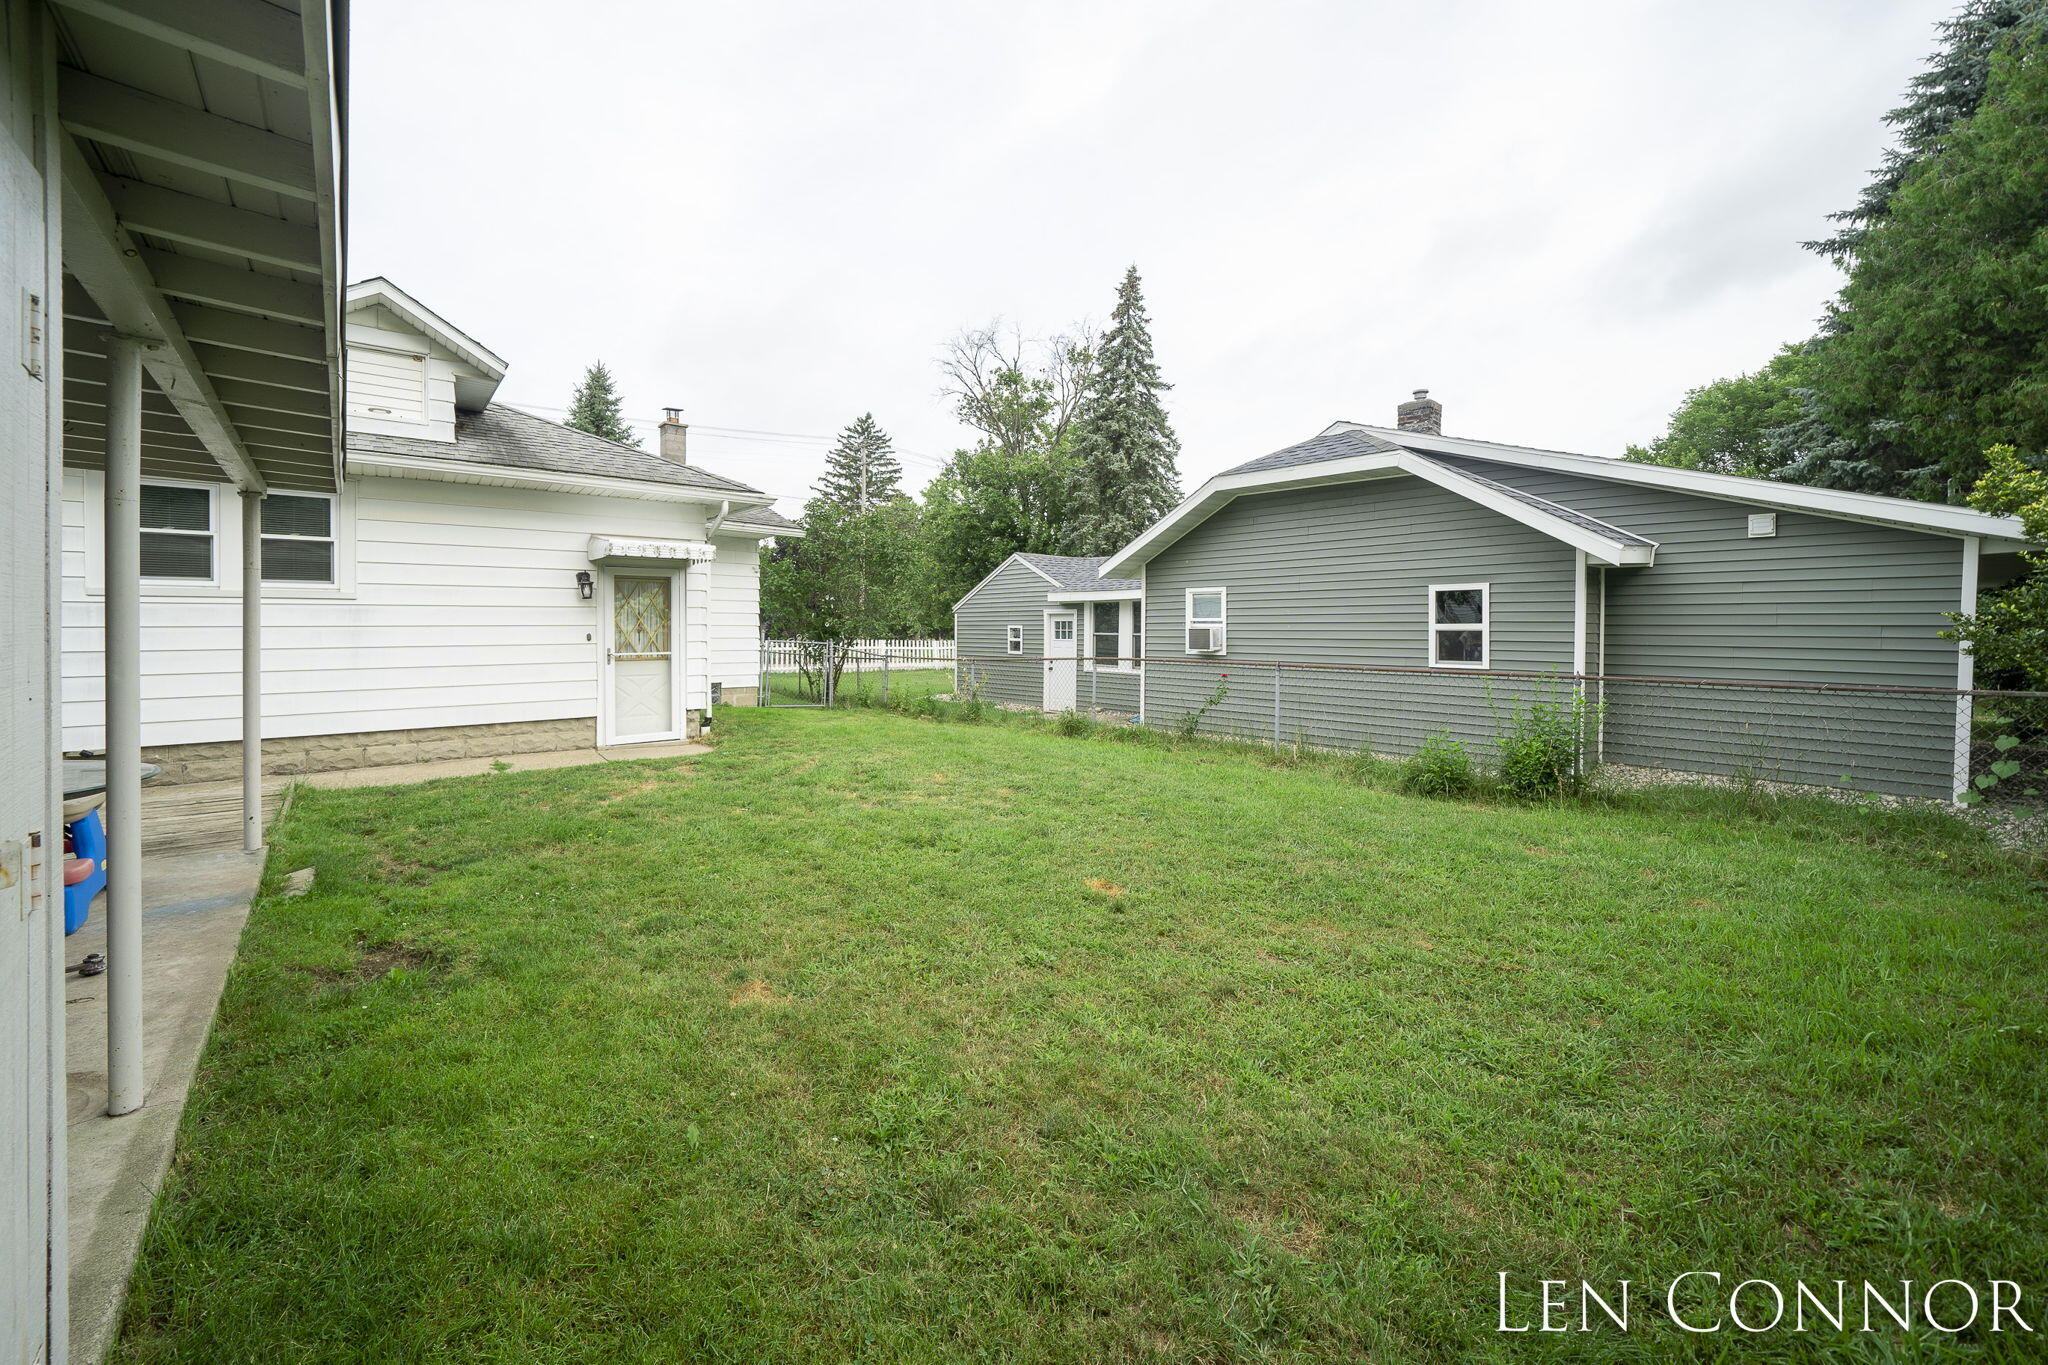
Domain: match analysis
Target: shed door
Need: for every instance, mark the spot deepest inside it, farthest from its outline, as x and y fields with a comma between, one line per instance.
x=1062, y=659
x=642, y=658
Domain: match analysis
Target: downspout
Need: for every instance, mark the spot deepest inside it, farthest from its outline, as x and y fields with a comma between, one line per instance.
x=711, y=526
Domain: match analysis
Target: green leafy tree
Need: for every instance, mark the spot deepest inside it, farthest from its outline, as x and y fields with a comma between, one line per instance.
x=2009, y=632
x=987, y=504
x=1126, y=456
x=862, y=471
x=1947, y=92
x=852, y=576
x=596, y=408
x=1945, y=315
x=1724, y=427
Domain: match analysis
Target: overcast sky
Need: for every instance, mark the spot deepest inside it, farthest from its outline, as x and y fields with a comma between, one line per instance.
x=1556, y=217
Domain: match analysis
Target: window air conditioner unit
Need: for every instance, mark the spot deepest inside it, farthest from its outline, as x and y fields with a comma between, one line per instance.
x=1205, y=639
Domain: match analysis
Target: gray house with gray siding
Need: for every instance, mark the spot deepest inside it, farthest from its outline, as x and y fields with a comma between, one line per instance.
x=1050, y=631
x=1447, y=566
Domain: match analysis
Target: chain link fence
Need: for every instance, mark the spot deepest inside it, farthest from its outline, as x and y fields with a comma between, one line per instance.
x=1981, y=747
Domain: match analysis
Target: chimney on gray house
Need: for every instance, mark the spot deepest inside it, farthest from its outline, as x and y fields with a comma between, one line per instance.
x=675, y=436
x=1421, y=413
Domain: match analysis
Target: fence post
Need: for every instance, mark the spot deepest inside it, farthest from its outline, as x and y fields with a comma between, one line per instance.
x=1276, y=708
x=885, y=677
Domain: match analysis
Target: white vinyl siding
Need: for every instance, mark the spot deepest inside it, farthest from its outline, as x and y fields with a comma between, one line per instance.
x=387, y=386
x=464, y=611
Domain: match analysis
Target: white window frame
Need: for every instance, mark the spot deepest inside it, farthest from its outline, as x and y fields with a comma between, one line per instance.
x=1128, y=646
x=1484, y=625
x=226, y=584
x=1222, y=619
x=333, y=538
x=1014, y=639
x=215, y=535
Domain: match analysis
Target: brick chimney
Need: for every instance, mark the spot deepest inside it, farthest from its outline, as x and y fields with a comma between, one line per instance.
x=1420, y=413
x=675, y=436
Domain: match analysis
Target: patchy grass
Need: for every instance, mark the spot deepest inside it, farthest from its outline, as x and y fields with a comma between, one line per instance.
x=876, y=1038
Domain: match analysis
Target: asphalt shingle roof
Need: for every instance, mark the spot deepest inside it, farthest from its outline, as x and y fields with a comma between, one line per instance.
x=763, y=516
x=1079, y=573
x=1555, y=509
x=518, y=440
x=1342, y=445
x=1336, y=445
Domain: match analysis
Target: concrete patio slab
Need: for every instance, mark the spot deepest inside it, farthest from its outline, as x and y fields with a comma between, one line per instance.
x=402, y=774
x=194, y=905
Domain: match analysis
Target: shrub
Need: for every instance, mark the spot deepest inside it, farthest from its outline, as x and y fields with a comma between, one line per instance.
x=1541, y=751
x=1074, y=725
x=1440, y=767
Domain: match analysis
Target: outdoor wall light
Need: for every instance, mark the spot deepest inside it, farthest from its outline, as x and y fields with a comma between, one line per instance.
x=583, y=584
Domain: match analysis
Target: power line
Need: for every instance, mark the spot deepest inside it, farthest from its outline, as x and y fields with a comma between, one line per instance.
x=746, y=434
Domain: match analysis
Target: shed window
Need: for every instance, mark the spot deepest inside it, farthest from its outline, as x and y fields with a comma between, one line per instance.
x=1016, y=644
x=1458, y=625
x=298, y=538
x=177, y=532
x=1108, y=633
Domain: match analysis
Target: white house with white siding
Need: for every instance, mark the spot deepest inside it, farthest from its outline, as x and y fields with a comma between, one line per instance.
x=482, y=581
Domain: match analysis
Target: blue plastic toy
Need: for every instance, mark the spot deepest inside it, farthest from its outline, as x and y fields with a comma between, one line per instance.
x=88, y=840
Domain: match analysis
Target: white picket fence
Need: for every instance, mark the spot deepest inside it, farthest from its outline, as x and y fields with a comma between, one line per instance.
x=780, y=656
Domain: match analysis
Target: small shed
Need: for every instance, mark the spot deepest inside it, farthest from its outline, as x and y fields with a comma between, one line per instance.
x=1049, y=631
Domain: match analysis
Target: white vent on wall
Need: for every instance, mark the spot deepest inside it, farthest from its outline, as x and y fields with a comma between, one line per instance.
x=1205, y=639
x=1763, y=523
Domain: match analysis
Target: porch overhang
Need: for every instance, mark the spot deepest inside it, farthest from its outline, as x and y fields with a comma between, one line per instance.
x=202, y=179
x=641, y=550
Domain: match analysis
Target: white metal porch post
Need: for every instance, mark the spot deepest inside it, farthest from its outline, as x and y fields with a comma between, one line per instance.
x=123, y=671
x=252, y=670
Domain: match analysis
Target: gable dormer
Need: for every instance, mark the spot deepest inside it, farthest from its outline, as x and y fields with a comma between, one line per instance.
x=409, y=372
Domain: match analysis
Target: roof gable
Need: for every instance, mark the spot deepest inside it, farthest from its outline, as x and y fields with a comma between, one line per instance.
x=417, y=317
x=1347, y=457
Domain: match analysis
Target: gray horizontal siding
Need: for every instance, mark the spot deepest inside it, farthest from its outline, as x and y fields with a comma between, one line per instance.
x=1823, y=601
x=1340, y=575
x=1108, y=690
x=1014, y=596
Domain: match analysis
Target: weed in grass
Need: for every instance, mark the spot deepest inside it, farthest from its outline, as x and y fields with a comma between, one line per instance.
x=1074, y=725
x=1440, y=766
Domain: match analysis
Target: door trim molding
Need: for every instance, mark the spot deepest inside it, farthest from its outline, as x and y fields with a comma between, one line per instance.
x=678, y=644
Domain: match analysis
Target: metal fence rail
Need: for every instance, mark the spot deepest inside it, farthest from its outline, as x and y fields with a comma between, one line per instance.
x=1974, y=746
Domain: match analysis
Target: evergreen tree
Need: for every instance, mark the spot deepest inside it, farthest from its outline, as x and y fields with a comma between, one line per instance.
x=1724, y=427
x=596, y=407
x=1945, y=315
x=862, y=472
x=1937, y=99
x=1125, y=453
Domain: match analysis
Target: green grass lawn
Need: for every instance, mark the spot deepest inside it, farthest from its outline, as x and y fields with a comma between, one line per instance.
x=866, y=683
x=875, y=1038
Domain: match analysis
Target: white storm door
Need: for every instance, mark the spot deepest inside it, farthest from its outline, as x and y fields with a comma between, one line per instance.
x=1062, y=659
x=642, y=682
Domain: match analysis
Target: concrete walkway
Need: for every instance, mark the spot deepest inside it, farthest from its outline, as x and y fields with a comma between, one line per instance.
x=197, y=885
x=194, y=905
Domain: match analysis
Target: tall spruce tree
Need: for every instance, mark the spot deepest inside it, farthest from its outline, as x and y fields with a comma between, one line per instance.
x=1937, y=99
x=596, y=407
x=862, y=471
x=1125, y=454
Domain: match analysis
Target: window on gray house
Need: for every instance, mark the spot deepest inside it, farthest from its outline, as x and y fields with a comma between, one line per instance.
x=1107, y=640
x=298, y=538
x=177, y=532
x=1458, y=625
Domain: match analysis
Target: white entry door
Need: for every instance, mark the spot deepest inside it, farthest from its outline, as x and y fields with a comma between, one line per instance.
x=642, y=684
x=1062, y=659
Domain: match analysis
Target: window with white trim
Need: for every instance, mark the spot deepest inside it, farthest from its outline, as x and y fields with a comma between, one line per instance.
x=1016, y=643
x=1136, y=652
x=178, y=525
x=298, y=538
x=1459, y=625
x=1106, y=638
x=1206, y=612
